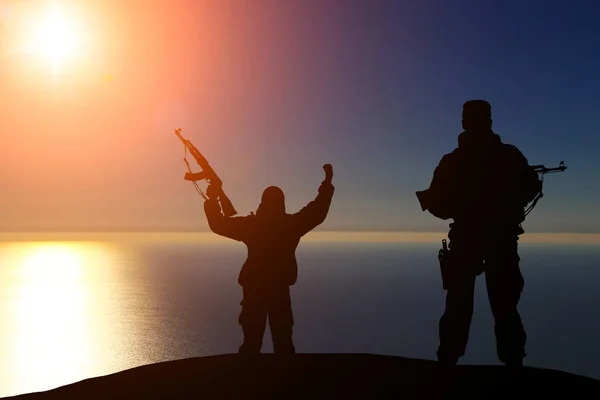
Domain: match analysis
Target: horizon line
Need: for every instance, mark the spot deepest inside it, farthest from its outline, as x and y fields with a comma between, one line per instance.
x=205, y=230
x=345, y=236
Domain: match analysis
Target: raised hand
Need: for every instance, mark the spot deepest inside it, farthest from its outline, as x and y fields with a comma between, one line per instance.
x=328, y=168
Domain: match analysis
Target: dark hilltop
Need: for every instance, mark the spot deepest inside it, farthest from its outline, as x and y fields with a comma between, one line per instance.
x=330, y=376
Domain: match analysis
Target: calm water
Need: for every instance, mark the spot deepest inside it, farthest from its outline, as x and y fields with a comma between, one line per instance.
x=72, y=311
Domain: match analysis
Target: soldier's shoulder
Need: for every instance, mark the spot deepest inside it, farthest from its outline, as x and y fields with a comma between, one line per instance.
x=513, y=151
x=511, y=147
x=449, y=158
x=446, y=164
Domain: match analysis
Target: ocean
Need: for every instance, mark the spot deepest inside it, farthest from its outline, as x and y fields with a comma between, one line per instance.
x=72, y=310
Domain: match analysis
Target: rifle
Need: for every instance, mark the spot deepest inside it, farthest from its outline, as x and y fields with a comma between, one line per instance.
x=542, y=170
x=207, y=174
x=424, y=196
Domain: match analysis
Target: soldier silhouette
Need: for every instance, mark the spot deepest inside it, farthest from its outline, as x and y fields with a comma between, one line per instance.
x=271, y=237
x=484, y=185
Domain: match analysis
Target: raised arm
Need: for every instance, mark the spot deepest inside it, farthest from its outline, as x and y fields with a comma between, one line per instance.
x=235, y=228
x=315, y=212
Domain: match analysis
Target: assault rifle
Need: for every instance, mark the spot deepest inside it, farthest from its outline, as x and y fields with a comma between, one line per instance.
x=207, y=174
x=542, y=170
x=425, y=199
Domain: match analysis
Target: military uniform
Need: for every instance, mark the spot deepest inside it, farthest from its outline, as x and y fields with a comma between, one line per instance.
x=270, y=268
x=484, y=186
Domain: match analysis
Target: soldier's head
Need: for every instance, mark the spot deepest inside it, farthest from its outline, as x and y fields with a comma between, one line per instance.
x=272, y=202
x=477, y=115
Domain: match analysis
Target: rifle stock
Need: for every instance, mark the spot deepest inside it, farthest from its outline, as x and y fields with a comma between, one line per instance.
x=207, y=174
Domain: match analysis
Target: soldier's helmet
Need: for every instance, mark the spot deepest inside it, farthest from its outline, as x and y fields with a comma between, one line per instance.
x=477, y=114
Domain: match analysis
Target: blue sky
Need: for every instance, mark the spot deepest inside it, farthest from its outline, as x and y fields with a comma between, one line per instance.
x=402, y=72
x=271, y=90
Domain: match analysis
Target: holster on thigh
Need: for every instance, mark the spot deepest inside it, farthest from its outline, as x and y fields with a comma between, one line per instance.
x=457, y=268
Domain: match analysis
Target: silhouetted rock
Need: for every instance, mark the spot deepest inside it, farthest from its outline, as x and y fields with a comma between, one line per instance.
x=332, y=376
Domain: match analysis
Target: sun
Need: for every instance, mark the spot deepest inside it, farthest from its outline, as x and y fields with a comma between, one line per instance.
x=55, y=36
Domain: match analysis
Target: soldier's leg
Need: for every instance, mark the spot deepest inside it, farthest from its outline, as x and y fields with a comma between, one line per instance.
x=455, y=323
x=253, y=320
x=281, y=321
x=504, y=285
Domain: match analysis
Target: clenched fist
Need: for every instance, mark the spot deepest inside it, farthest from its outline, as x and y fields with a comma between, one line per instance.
x=328, y=172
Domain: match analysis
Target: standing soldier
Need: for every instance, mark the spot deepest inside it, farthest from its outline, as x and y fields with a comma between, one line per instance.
x=484, y=185
x=271, y=236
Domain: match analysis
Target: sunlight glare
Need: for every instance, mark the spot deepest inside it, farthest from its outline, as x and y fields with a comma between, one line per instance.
x=50, y=323
x=53, y=35
x=56, y=37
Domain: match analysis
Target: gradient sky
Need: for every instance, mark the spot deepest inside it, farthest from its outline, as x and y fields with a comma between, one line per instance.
x=269, y=91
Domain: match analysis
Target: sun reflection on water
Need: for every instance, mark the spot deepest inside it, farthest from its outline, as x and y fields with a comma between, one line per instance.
x=52, y=295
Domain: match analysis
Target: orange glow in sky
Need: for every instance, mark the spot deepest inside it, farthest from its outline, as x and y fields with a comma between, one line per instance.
x=92, y=91
x=269, y=91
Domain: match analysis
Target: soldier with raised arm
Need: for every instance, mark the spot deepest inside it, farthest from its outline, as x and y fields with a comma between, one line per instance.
x=271, y=236
x=484, y=185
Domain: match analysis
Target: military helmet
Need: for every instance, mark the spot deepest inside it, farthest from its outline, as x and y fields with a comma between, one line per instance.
x=477, y=115
x=477, y=109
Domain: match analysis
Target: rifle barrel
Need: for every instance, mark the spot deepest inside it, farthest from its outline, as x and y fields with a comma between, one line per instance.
x=544, y=170
x=178, y=133
x=553, y=169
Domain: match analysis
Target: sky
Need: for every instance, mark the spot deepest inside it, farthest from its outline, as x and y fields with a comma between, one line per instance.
x=270, y=90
